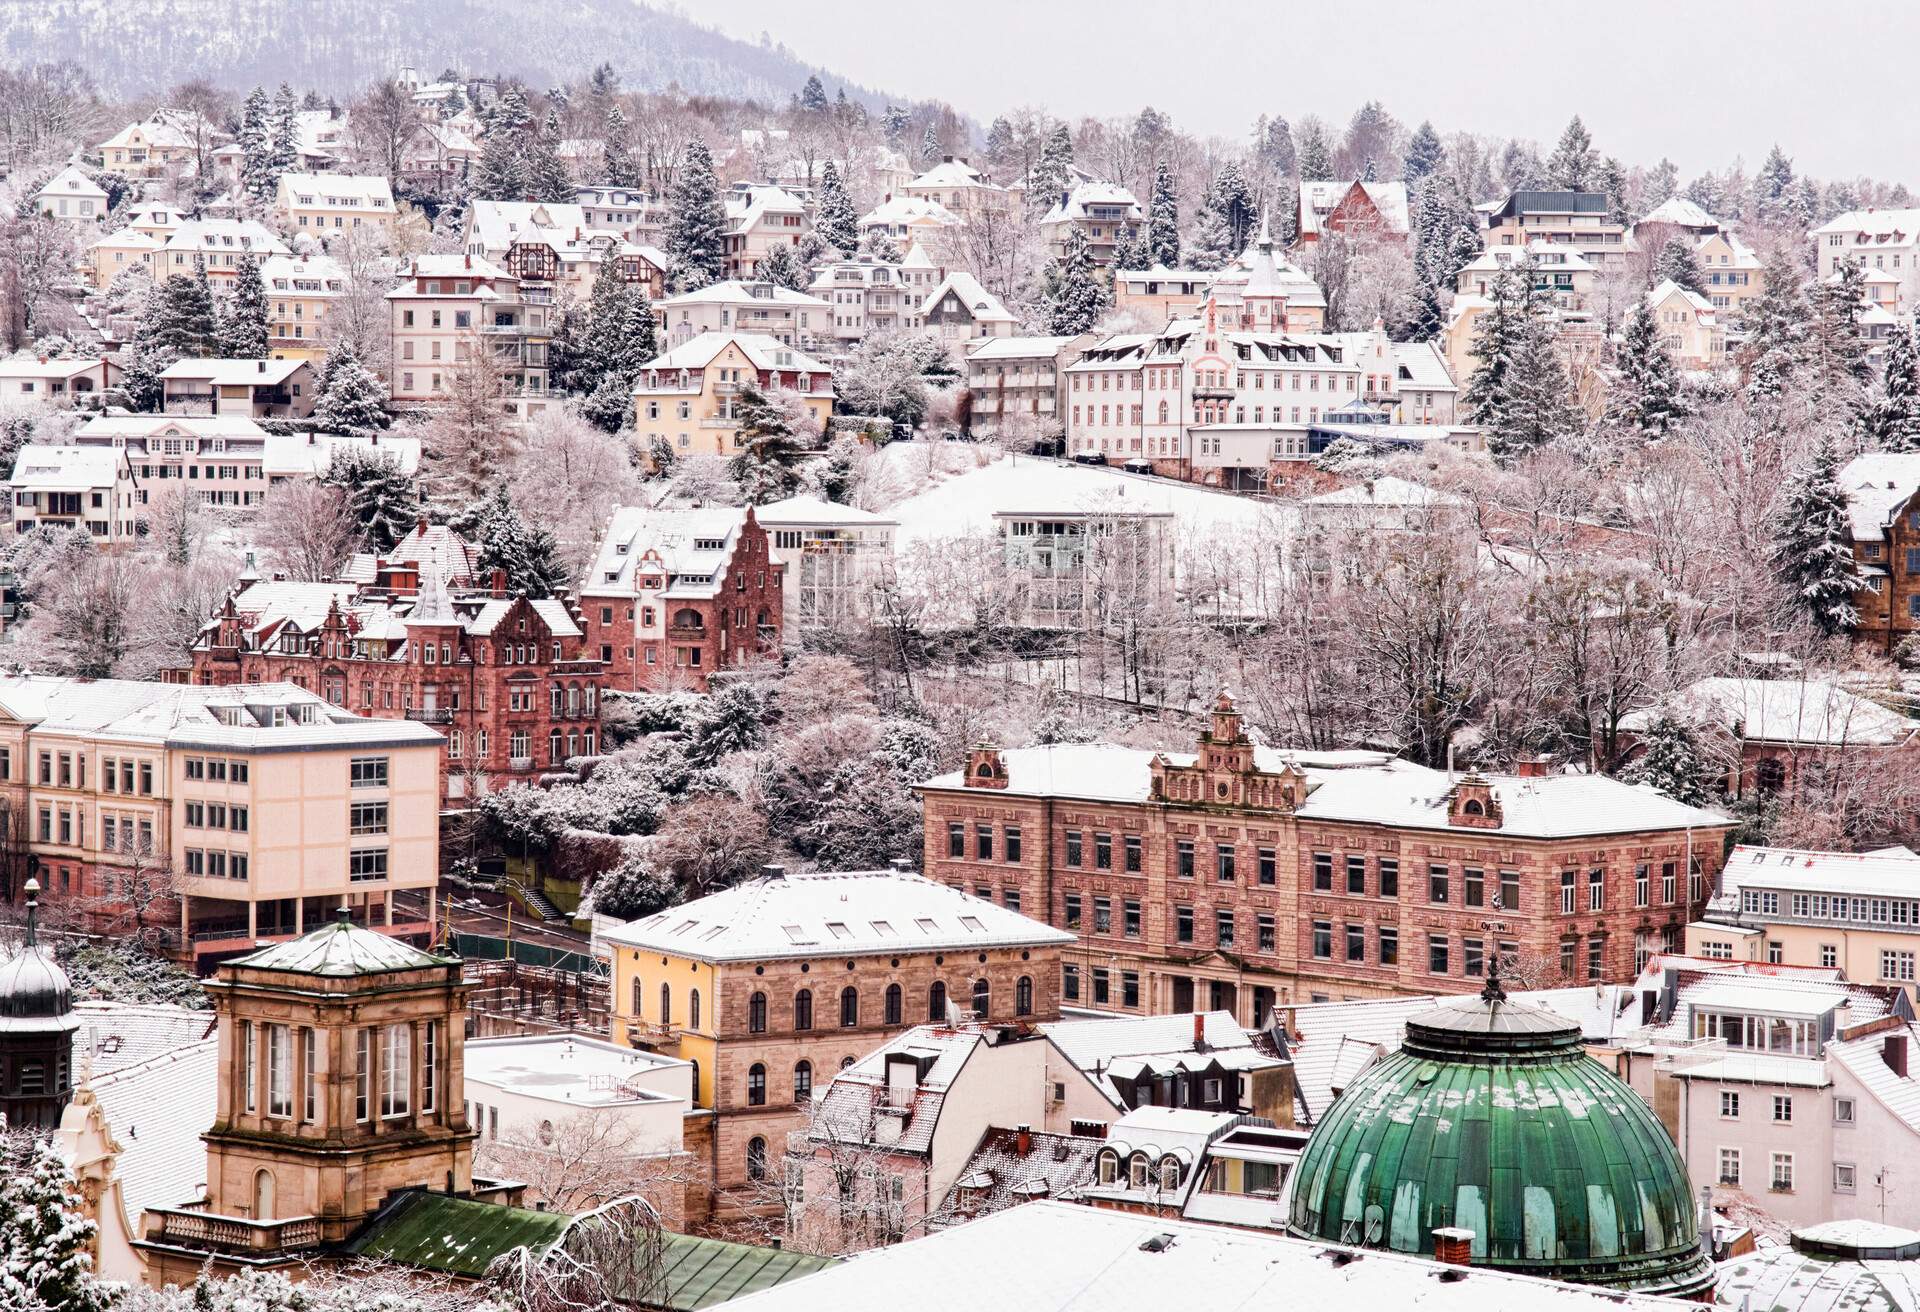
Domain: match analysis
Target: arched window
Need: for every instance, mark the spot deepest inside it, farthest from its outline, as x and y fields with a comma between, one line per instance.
x=1163, y=412
x=982, y=998
x=636, y=997
x=1109, y=1166
x=937, y=1003
x=756, y=1085
x=756, y=1158
x=849, y=1007
x=1023, y=996
x=693, y=1009
x=694, y=1087
x=845, y=1062
x=757, y=1014
x=802, y=1081
x=263, y=1195
x=1472, y=807
x=894, y=1004
x=666, y=1004
x=803, y=1009
x=1137, y=1171
x=1169, y=1173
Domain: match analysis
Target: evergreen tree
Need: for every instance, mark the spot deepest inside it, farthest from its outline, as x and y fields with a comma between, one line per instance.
x=894, y=122
x=929, y=146
x=1777, y=324
x=631, y=890
x=813, y=96
x=1661, y=184
x=180, y=316
x=1670, y=761
x=1273, y=145
x=529, y=555
x=1773, y=187
x=1226, y=219
x=46, y=1259
x=502, y=173
x=619, y=169
x=545, y=170
x=834, y=219
x=1000, y=143
x=1074, y=295
x=1424, y=155
x=1538, y=407
x=1812, y=551
x=696, y=234
x=351, y=396
x=1163, y=221
x=1836, y=351
x=1677, y=261
x=881, y=246
x=1051, y=173
x=257, y=175
x=146, y=357
x=383, y=498
x=779, y=267
x=1315, y=152
x=609, y=406
x=1648, y=396
x=1574, y=164
x=1611, y=181
x=286, y=133
x=243, y=325
x=767, y=469
x=1892, y=420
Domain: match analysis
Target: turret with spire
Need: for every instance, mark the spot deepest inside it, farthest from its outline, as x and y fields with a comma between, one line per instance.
x=36, y=1029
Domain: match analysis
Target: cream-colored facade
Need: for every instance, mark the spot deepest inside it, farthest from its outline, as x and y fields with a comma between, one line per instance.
x=327, y=204
x=156, y=145
x=687, y=399
x=1732, y=272
x=232, y=813
x=1691, y=329
x=448, y=305
x=300, y=292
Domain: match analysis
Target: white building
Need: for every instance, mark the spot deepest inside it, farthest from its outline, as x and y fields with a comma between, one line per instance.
x=1878, y=239
x=832, y=553
x=70, y=486
x=789, y=317
x=73, y=196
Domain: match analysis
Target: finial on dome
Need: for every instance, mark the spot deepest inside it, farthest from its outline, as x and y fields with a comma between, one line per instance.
x=33, y=909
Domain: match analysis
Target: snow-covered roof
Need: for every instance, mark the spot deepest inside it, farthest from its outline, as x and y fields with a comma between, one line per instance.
x=59, y=366
x=1800, y=711
x=1053, y=1256
x=351, y=190
x=157, y=1110
x=1554, y=257
x=70, y=181
x=899, y=210
x=44, y=467
x=341, y=948
x=762, y=351
x=1682, y=213
x=737, y=292
x=807, y=511
x=846, y=1106
x=236, y=373
x=164, y=127
x=1869, y=874
x=283, y=273
x=134, y=427
x=571, y=1070
x=1319, y=198
x=1365, y=787
x=1073, y=206
x=1878, y=484
x=289, y=454
x=952, y=173
x=1126, y=1047
x=981, y=305
x=203, y=235
x=855, y=913
x=688, y=547
x=1845, y=1265
x=115, y=1035
x=1668, y=288
x=236, y=717
x=494, y=225
x=1898, y=226
x=747, y=207
x=1421, y=365
x=1864, y=1059
x=433, y=265
x=1018, y=348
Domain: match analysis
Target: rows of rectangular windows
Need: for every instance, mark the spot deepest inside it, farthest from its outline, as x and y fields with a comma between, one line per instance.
x=1824, y=906
x=212, y=769
x=383, y=1063
x=1100, y=979
x=217, y=815
x=212, y=863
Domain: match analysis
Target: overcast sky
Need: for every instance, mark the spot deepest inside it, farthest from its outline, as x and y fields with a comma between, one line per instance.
x=1700, y=81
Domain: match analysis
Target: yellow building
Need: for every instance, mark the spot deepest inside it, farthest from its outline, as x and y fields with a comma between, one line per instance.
x=1732, y=271
x=688, y=398
x=220, y=815
x=327, y=204
x=166, y=141
x=300, y=291
x=1858, y=913
x=1687, y=321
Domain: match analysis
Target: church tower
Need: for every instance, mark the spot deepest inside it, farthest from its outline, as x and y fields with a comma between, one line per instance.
x=36, y=1030
x=342, y=1076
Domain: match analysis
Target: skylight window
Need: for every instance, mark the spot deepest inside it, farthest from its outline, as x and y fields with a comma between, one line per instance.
x=797, y=935
x=838, y=930
x=683, y=926
x=881, y=927
x=973, y=924
x=926, y=926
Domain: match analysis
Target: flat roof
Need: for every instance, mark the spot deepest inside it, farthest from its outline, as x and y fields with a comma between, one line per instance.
x=567, y=1068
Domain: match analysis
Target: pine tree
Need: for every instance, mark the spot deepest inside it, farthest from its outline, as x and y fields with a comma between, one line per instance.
x=383, y=499
x=257, y=175
x=351, y=396
x=1836, y=351
x=1892, y=420
x=1315, y=152
x=1812, y=552
x=502, y=173
x=1226, y=219
x=1424, y=155
x=1074, y=295
x=1049, y=179
x=243, y=324
x=880, y=246
x=1574, y=164
x=1163, y=220
x=548, y=174
x=834, y=219
x=929, y=146
x=619, y=168
x=1773, y=187
x=1777, y=324
x=1610, y=180
x=779, y=267
x=894, y=122
x=179, y=316
x=286, y=133
x=1648, y=396
x=696, y=233
x=1677, y=261
x=609, y=406
x=1661, y=184
x=766, y=469
x=528, y=555
x=1538, y=406
x=1670, y=760
x=631, y=890
x=999, y=143
x=1273, y=139
x=46, y=1259
x=813, y=96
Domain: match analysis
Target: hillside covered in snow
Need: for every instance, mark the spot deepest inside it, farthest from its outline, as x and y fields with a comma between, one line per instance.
x=141, y=47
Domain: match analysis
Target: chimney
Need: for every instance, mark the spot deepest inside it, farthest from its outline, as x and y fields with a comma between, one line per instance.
x=260, y=366
x=901, y=865
x=773, y=872
x=1453, y=1246
x=1023, y=1140
x=469, y=261
x=498, y=583
x=1199, y=1031
x=1893, y=1051
x=1530, y=767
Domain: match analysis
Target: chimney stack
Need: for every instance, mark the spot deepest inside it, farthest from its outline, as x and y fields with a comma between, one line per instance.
x=1453, y=1246
x=1199, y=1031
x=1023, y=1140
x=1893, y=1051
x=773, y=872
x=1530, y=767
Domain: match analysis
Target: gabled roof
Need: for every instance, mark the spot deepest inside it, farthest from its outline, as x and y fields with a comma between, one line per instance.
x=761, y=350
x=1682, y=213
x=1869, y=874
x=157, y=1110
x=236, y=373
x=680, y=543
x=1319, y=197
x=1073, y=206
x=805, y=510
x=59, y=366
x=63, y=468
x=70, y=181
x=855, y=913
x=980, y=304
x=1807, y=712
x=494, y=225
x=1878, y=484
x=740, y=292
x=1897, y=225
x=1018, y=348
x=370, y=189
x=907, y=209
x=953, y=173
x=1420, y=364
x=1668, y=289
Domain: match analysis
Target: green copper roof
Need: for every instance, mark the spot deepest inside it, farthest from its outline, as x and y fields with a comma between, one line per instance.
x=1493, y=1119
x=439, y=1232
x=699, y=1273
x=340, y=948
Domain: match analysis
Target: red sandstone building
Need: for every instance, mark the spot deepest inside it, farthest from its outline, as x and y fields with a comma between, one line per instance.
x=1238, y=878
x=417, y=635
x=676, y=594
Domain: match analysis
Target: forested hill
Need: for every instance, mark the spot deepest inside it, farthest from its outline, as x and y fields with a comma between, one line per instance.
x=140, y=47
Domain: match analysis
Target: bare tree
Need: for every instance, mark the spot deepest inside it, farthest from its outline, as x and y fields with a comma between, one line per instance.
x=589, y=1159
x=470, y=437
x=385, y=121
x=307, y=529
x=610, y=1257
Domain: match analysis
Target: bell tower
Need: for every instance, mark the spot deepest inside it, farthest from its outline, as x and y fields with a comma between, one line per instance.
x=342, y=1078
x=36, y=1030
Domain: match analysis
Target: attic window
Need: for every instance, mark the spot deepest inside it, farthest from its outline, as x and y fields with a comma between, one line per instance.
x=926, y=926
x=881, y=927
x=709, y=544
x=622, y=548
x=973, y=924
x=1472, y=807
x=838, y=930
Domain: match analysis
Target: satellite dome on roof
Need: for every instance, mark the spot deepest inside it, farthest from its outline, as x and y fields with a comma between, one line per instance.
x=1492, y=1119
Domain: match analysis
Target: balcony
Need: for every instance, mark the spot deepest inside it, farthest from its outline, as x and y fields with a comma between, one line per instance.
x=687, y=632
x=647, y=1033
x=195, y=1228
x=430, y=714
x=1216, y=390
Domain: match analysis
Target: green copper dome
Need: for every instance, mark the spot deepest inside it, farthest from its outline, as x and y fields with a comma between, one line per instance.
x=1492, y=1118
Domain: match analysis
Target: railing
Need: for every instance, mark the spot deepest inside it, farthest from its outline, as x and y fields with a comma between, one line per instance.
x=688, y=631
x=647, y=1031
x=430, y=714
x=720, y=422
x=197, y=1228
x=893, y=1100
